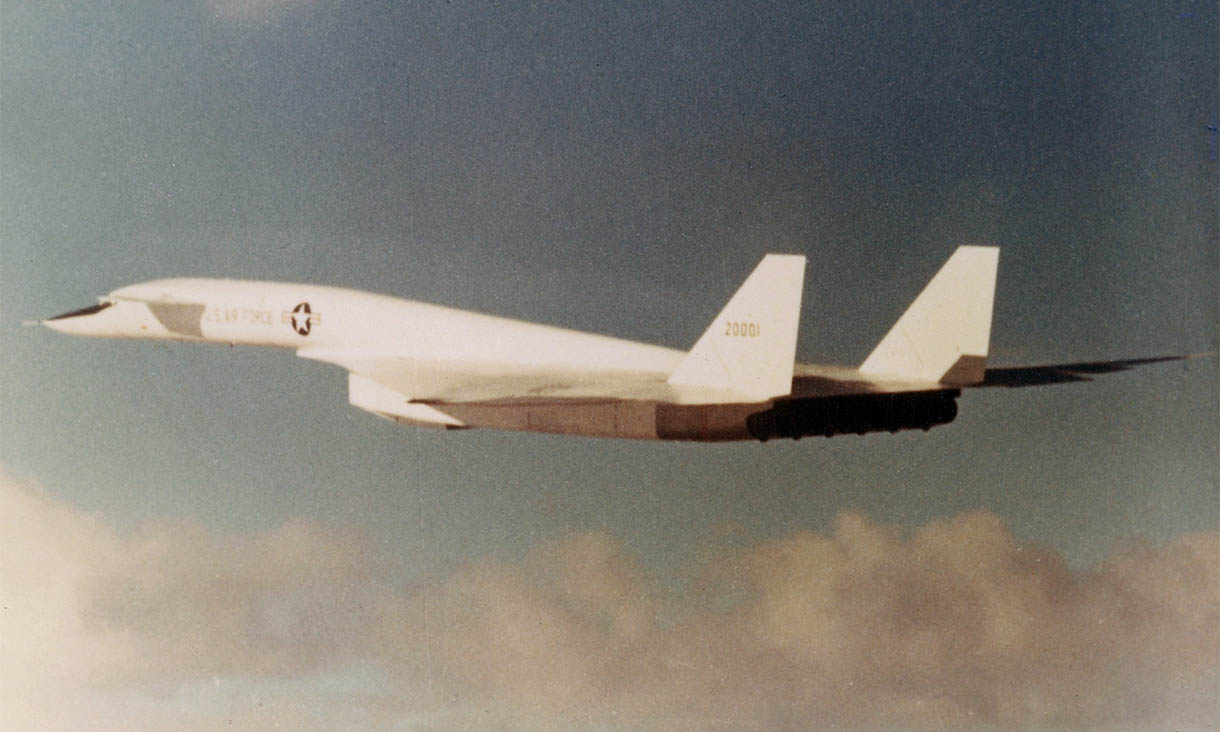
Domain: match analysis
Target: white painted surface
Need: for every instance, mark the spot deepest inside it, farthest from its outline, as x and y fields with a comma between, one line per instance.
x=950, y=319
x=750, y=347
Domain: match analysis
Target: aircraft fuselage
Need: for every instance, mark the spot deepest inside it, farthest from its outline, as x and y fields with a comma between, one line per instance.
x=434, y=366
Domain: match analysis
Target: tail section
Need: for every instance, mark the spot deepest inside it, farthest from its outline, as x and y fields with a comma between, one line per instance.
x=943, y=336
x=751, y=345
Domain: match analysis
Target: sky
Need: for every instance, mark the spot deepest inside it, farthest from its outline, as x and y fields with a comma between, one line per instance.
x=196, y=536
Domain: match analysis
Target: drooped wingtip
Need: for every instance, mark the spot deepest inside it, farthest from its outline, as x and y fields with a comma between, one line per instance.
x=1013, y=376
x=1202, y=354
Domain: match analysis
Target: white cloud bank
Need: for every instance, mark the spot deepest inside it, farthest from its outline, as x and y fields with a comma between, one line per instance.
x=954, y=625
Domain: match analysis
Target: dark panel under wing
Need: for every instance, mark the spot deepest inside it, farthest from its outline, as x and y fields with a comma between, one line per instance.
x=854, y=414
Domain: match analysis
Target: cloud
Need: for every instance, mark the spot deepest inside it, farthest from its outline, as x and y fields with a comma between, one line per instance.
x=956, y=624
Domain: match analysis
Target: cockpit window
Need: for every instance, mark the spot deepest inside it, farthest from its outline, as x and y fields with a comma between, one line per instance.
x=84, y=311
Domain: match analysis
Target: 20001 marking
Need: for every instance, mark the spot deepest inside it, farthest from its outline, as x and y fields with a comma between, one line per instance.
x=742, y=330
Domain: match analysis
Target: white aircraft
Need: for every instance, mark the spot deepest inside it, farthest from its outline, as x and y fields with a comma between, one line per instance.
x=434, y=366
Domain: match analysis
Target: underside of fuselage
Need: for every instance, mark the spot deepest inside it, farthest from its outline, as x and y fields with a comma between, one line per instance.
x=792, y=418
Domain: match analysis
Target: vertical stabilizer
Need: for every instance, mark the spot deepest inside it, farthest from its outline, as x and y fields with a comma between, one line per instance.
x=751, y=346
x=943, y=336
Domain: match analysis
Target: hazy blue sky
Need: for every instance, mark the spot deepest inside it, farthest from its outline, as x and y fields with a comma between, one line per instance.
x=618, y=169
